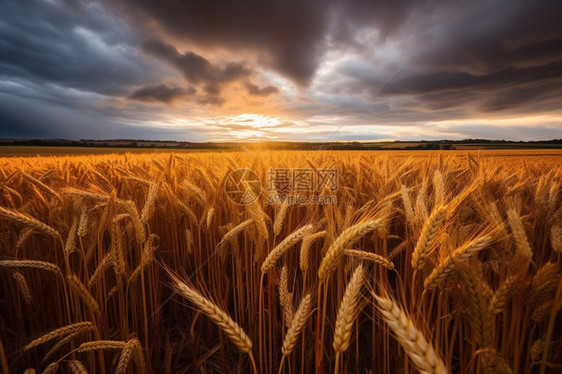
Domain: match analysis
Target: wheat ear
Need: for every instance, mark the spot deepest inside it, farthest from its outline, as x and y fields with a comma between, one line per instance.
x=441, y=273
x=297, y=324
x=76, y=367
x=70, y=245
x=60, y=344
x=348, y=310
x=147, y=209
x=125, y=356
x=368, y=256
x=60, y=332
x=31, y=264
x=24, y=288
x=305, y=249
x=503, y=294
x=147, y=258
x=41, y=185
x=280, y=218
x=427, y=237
x=24, y=235
x=478, y=306
x=286, y=297
x=83, y=222
x=82, y=292
x=218, y=316
x=282, y=247
x=28, y=221
x=140, y=234
x=235, y=231
x=347, y=238
x=524, y=253
x=556, y=238
x=52, y=368
x=416, y=346
x=544, y=283
x=100, y=344
x=85, y=194
x=103, y=265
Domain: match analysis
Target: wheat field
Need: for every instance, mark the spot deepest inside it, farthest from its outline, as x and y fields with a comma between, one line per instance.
x=429, y=262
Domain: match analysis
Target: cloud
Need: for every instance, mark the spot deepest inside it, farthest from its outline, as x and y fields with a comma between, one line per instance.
x=405, y=65
x=160, y=93
x=255, y=90
x=76, y=46
x=198, y=70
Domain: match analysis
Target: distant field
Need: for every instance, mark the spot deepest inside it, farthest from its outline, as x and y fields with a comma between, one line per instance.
x=52, y=151
x=16, y=151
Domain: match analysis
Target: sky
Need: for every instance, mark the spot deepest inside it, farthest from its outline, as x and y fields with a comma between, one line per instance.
x=303, y=70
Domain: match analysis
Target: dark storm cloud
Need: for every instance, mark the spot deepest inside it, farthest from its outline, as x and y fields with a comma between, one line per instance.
x=71, y=44
x=255, y=90
x=287, y=33
x=489, y=56
x=160, y=93
x=20, y=118
x=196, y=69
x=290, y=36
